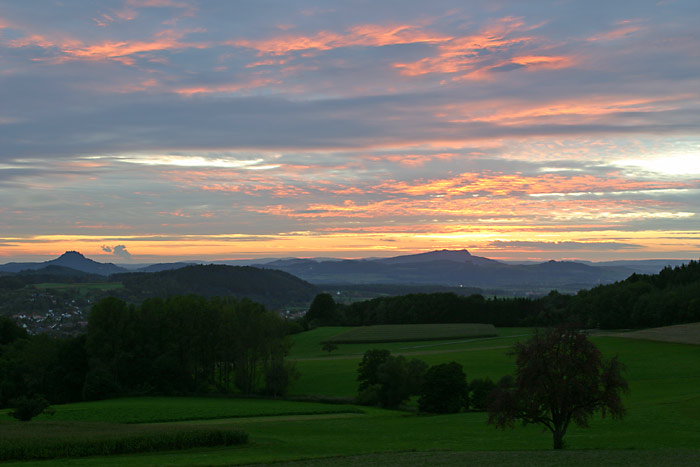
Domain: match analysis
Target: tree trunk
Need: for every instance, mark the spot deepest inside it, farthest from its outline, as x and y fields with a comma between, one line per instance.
x=558, y=438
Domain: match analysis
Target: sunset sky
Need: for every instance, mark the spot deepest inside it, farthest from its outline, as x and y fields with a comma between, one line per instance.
x=163, y=130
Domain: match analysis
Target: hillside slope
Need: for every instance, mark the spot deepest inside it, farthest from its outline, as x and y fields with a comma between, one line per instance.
x=272, y=288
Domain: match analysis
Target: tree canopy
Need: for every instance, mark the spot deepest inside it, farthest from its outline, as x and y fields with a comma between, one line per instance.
x=560, y=377
x=388, y=380
x=444, y=389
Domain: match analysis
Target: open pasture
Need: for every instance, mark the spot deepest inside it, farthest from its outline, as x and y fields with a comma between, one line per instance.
x=335, y=375
x=412, y=332
x=661, y=427
x=307, y=345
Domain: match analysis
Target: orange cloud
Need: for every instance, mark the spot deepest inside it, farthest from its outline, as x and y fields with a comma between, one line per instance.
x=368, y=35
x=557, y=111
x=465, y=54
x=412, y=160
x=228, y=87
x=507, y=185
x=111, y=50
x=488, y=211
x=120, y=51
x=617, y=33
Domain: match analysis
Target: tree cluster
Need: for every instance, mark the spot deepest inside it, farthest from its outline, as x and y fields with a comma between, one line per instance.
x=185, y=344
x=181, y=345
x=33, y=366
x=389, y=381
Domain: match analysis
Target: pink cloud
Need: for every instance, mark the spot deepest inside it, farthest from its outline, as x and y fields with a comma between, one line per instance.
x=518, y=112
x=130, y=10
x=463, y=57
x=615, y=34
x=120, y=51
x=225, y=87
x=367, y=35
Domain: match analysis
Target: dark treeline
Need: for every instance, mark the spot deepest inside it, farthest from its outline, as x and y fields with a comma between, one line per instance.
x=275, y=289
x=14, y=281
x=437, y=308
x=670, y=297
x=182, y=345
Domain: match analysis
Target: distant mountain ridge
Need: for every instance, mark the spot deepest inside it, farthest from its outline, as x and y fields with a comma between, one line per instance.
x=461, y=256
x=459, y=268
x=69, y=259
x=455, y=268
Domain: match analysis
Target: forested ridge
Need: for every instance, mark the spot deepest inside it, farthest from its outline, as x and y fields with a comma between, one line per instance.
x=670, y=297
x=270, y=287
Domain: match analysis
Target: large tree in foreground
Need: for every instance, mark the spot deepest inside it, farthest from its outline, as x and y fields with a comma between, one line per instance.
x=561, y=377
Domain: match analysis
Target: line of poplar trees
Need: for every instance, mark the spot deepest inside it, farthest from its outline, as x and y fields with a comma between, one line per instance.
x=180, y=345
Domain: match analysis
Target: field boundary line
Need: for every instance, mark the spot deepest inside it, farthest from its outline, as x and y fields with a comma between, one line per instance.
x=478, y=339
x=260, y=418
x=424, y=352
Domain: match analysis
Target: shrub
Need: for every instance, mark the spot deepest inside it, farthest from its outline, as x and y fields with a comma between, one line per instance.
x=27, y=408
x=479, y=390
x=444, y=389
x=279, y=377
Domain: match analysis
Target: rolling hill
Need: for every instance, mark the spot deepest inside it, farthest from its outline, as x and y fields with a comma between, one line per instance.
x=272, y=288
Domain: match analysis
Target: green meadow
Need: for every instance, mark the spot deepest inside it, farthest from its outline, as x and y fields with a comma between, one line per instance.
x=662, y=426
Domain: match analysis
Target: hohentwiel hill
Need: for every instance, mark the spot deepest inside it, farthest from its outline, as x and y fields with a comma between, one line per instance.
x=69, y=259
x=273, y=288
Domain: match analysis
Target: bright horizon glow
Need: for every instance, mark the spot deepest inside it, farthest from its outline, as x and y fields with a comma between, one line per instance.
x=676, y=164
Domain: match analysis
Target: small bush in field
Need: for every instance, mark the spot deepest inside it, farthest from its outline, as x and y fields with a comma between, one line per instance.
x=479, y=390
x=27, y=408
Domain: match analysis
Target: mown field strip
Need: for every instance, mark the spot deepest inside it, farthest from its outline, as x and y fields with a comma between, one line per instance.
x=462, y=342
x=424, y=352
x=266, y=419
x=142, y=410
x=680, y=333
x=413, y=332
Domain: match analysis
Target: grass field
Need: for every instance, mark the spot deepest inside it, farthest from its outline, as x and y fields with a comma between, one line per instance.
x=412, y=332
x=662, y=426
x=335, y=375
x=680, y=333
